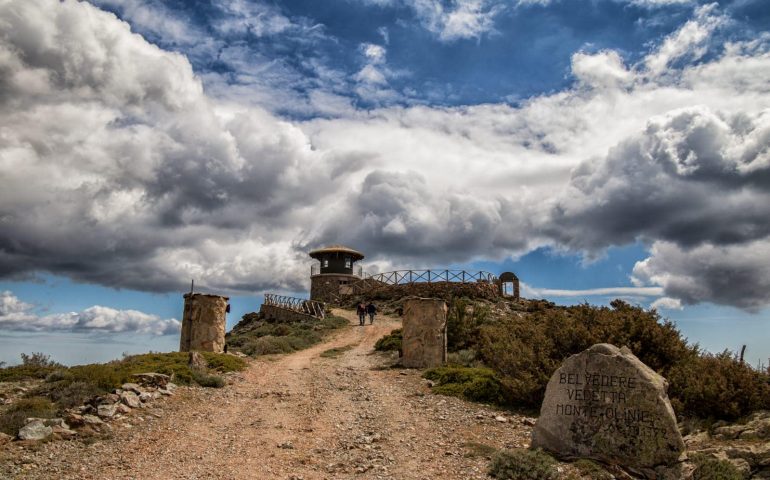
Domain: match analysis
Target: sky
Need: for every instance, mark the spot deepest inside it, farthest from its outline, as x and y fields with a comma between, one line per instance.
x=599, y=149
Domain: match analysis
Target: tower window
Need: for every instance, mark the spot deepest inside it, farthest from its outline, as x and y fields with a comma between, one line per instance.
x=326, y=262
x=348, y=262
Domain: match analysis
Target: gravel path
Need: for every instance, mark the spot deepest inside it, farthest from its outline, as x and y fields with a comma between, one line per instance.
x=298, y=416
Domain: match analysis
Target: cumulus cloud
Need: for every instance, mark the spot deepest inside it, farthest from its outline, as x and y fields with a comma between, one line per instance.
x=735, y=275
x=119, y=169
x=113, y=159
x=19, y=316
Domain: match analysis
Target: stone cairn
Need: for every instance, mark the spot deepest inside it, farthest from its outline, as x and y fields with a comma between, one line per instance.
x=424, y=333
x=605, y=404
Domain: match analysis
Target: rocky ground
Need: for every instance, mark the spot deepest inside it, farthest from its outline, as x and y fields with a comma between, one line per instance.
x=299, y=416
x=307, y=416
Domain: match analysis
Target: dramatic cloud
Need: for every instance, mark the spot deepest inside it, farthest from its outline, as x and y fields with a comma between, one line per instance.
x=119, y=168
x=18, y=315
x=731, y=275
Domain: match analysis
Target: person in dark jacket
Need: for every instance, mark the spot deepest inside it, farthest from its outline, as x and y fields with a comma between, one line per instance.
x=361, y=310
x=371, y=309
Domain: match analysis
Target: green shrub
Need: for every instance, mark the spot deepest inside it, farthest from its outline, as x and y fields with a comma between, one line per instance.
x=709, y=468
x=207, y=380
x=523, y=464
x=38, y=359
x=261, y=337
x=592, y=470
x=465, y=358
x=464, y=321
x=717, y=386
x=477, y=384
x=524, y=351
x=224, y=363
x=13, y=418
x=69, y=393
x=390, y=342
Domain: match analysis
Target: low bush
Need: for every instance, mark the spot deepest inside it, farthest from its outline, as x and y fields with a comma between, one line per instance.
x=477, y=384
x=717, y=386
x=390, y=342
x=261, y=337
x=592, y=470
x=465, y=358
x=709, y=468
x=523, y=464
x=68, y=387
x=464, y=321
x=208, y=380
x=524, y=351
x=13, y=418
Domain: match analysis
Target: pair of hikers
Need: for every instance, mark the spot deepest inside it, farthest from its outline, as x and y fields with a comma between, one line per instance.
x=364, y=310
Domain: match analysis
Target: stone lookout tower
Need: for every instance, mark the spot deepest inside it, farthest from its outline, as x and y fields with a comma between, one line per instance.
x=335, y=272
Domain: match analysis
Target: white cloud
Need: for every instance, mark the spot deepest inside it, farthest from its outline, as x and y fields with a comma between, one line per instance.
x=118, y=169
x=688, y=42
x=667, y=303
x=462, y=19
x=608, y=291
x=16, y=315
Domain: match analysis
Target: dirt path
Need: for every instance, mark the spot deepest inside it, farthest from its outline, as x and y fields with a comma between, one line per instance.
x=299, y=416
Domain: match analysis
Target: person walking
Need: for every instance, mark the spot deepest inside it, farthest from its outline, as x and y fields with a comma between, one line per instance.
x=361, y=310
x=371, y=309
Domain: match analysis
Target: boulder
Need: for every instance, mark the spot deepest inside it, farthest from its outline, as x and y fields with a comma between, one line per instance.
x=130, y=399
x=92, y=420
x=152, y=379
x=605, y=404
x=35, y=430
x=132, y=387
x=107, y=410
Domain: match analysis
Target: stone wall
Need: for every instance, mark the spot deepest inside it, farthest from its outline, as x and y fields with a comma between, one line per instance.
x=424, y=333
x=203, y=323
x=329, y=287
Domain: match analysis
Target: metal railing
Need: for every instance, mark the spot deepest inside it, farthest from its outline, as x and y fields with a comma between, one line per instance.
x=299, y=305
x=402, y=277
x=358, y=270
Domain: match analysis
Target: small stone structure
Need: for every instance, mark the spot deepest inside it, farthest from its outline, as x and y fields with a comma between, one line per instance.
x=509, y=280
x=203, y=323
x=605, y=404
x=424, y=333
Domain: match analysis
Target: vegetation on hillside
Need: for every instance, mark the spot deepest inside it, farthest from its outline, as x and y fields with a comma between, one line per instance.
x=255, y=335
x=67, y=387
x=520, y=345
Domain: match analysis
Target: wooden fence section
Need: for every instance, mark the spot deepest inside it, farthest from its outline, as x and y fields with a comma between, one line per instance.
x=298, y=305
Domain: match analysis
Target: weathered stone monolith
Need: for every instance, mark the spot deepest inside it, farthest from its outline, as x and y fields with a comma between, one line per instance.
x=605, y=404
x=203, y=323
x=424, y=333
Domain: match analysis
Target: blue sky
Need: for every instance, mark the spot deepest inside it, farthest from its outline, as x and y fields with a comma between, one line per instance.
x=597, y=148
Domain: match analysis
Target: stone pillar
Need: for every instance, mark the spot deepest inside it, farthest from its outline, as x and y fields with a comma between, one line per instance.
x=203, y=323
x=424, y=333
